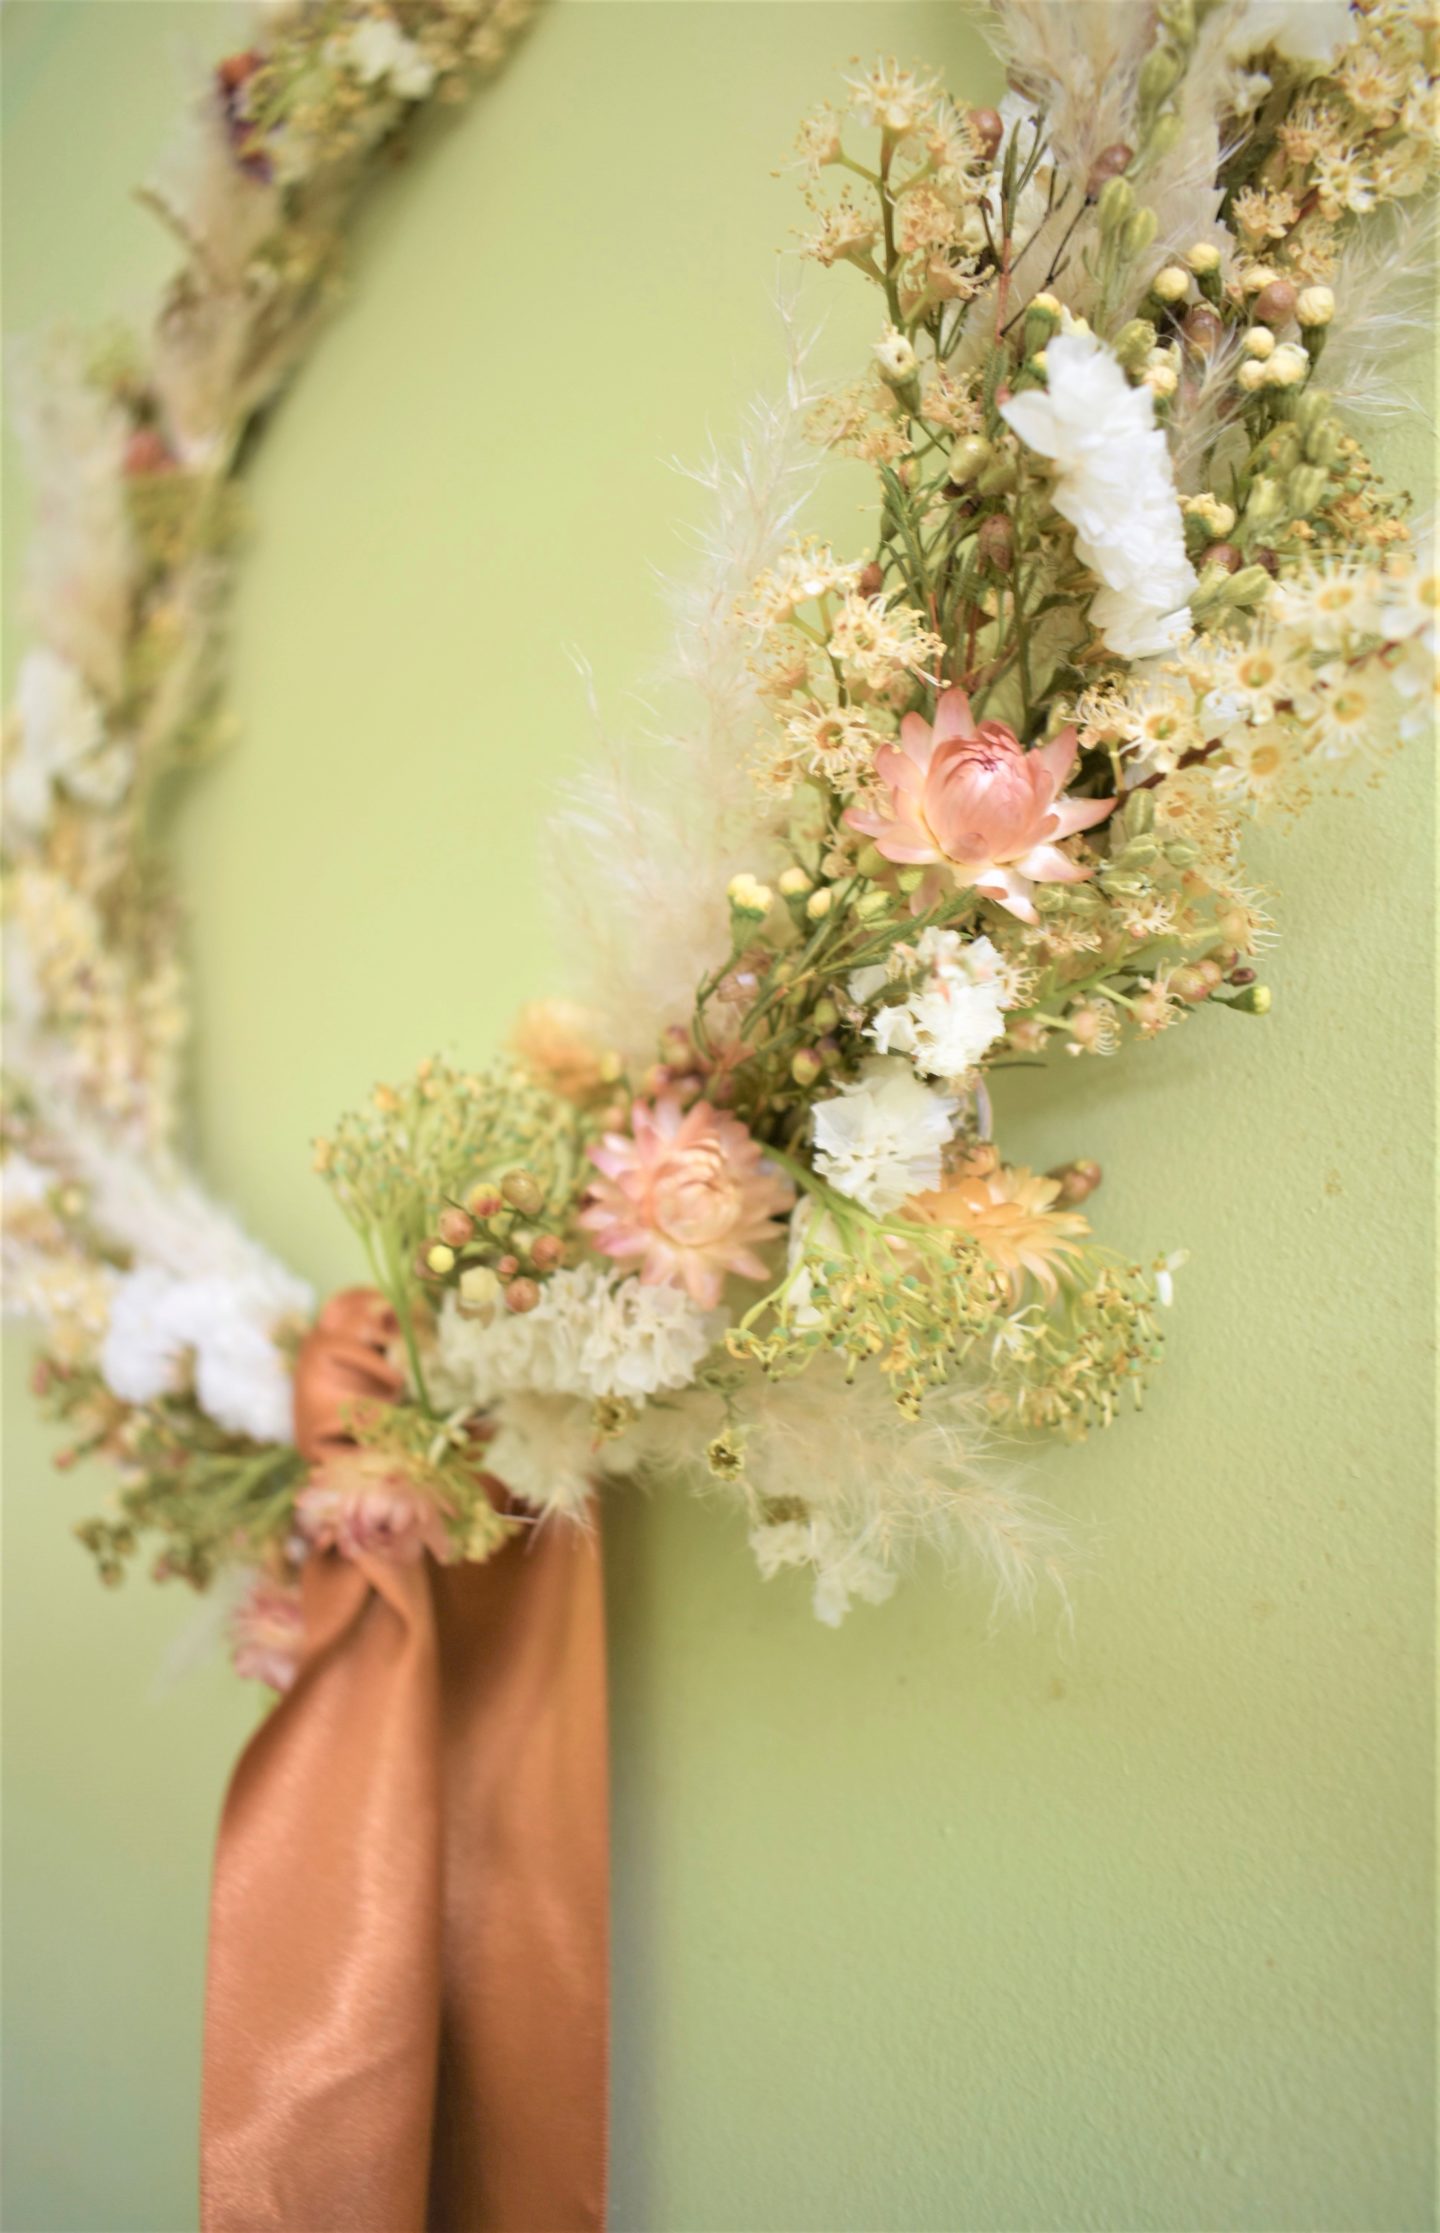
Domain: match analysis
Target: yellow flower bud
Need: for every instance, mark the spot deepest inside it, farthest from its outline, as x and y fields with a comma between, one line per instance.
x=479, y=1290
x=1171, y=284
x=748, y=896
x=819, y=904
x=1259, y=342
x=1288, y=367
x=1315, y=306
x=794, y=882
x=1203, y=259
x=440, y=1259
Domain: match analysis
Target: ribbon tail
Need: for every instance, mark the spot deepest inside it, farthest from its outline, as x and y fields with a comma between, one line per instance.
x=406, y=2010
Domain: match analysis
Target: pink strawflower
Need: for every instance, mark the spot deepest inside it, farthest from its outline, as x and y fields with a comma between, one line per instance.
x=267, y=1633
x=689, y=1193
x=972, y=798
x=360, y=1502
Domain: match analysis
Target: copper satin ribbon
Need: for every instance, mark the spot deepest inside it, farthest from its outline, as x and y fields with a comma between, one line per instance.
x=406, y=2007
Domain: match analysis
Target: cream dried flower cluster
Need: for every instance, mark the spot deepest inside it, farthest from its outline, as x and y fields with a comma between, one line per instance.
x=972, y=795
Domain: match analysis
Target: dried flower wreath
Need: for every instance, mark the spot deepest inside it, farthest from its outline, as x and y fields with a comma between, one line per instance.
x=969, y=796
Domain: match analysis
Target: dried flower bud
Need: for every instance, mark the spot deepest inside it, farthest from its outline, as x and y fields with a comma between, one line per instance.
x=1077, y=1181
x=1134, y=343
x=148, y=452
x=1305, y=489
x=546, y=1252
x=1192, y=984
x=455, y=1226
x=1288, y=367
x=1223, y=554
x=1203, y=328
x=997, y=542
x=1315, y=306
x=1275, y=303
x=523, y=1191
x=1117, y=200
x=1141, y=226
x=1171, y=284
x=507, y=1267
x=870, y=584
x=521, y=1295
x=484, y=1201
x=895, y=355
x=748, y=897
x=1108, y=164
x=479, y=1291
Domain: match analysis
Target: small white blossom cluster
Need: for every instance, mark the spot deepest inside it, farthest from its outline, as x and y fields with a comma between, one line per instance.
x=214, y=1333
x=592, y=1334
x=1116, y=486
x=955, y=1012
x=881, y=1138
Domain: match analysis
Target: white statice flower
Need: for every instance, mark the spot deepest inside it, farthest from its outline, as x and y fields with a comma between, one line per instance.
x=212, y=1332
x=1301, y=30
x=844, y=1569
x=880, y=1139
x=1115, y=485
x=593, y=1333
x=546, y=1451
x=955, y=1012
x=378, y=52
x=59, y=739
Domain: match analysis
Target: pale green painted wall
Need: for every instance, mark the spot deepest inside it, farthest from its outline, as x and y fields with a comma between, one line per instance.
x=916, y=1928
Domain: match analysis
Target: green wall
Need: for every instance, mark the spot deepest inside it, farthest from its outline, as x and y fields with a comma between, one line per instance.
x=917, y=1926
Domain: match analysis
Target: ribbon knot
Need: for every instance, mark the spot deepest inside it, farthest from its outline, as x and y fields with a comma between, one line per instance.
x=406, y=2007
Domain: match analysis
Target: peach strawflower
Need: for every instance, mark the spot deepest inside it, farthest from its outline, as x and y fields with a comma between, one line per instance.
x=1010, y=1213
x=970, y=798
x=360, y=1502
x=267, y=1631
x=689, y=1194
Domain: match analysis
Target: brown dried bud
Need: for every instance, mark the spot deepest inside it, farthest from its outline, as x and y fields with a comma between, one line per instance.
x=507, y=1267
x=1242, y=976
x=1223, y=554
x=1267, y=558
x=147, y=451
x=1275, y=303
x=523, y=1191
x=1077, y=1181
x=988, y=128
x=997, y=542
x=1203, y=328
x=521, y=1295
x=455, y=1227
x=235, y=69
x=872, y=580
x=1111, y=162
x=547, y=1252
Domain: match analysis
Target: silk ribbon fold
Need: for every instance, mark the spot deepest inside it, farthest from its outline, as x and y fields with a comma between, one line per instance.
x=407, y=1998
